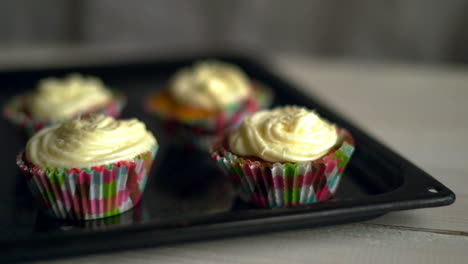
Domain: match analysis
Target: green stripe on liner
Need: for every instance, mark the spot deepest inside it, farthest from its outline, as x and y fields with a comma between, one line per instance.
x=237, y=171
x=58, y=178
x=296, y=195
x=48, y=196
x=342, y=163
x=109, y=189
x=113, y=212
x=287, y=195
x=341, y=157
x=49, y=171
x=87, y=170
x=290, y=173
x=109, y=166
x=290, y=169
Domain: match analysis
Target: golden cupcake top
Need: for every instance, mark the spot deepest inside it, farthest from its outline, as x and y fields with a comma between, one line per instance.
x=59, y=99
x=209, y=85
x=284, y=134
x=83, y=143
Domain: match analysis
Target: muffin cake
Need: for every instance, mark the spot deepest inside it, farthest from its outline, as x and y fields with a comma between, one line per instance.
x=56, y=100
x=89, y=168
x=205, y=100
x=284, y=157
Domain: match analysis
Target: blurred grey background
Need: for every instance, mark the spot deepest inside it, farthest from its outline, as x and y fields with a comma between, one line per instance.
x=428, y=31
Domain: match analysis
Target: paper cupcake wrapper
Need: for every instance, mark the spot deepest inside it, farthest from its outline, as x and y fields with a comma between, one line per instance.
x=263, y=96
x=201, y=133
x=218, y=122
x=192, y=138
x=287, y=184
x=14, y=111
x=91, y=193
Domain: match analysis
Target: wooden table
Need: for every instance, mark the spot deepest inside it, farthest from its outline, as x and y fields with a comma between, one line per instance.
x=420, y=111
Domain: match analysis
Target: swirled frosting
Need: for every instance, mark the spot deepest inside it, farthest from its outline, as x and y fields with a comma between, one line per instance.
x=284, y=134
x=209, y=85
x=82, y=143
x=59, y=99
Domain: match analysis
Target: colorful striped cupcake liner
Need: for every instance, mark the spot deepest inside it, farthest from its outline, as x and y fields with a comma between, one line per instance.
x=286, y=184
x=202, y=140
x=201, y=133
x=90, y=193
x=15, y=111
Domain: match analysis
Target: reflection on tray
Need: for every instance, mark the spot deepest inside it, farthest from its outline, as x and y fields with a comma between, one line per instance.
x=45, y=223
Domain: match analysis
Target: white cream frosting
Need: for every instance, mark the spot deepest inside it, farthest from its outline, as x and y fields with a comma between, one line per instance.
x=284, y=134
x=210, y=85
x=83, y=143
x=60, y=99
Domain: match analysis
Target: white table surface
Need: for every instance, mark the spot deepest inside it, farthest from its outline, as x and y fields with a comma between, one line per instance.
x=419, y=111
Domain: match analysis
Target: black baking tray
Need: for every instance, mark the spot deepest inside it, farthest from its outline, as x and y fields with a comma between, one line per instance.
x=195, y=201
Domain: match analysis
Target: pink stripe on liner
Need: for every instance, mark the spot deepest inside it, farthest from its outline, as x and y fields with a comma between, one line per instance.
x=96, y=206
x=308, y=177
x=84, y=178
x=323, y=193
x=122, y=196
x=137, y=198
x=256, y=173
x=108, y=176
x=298, y=182
x=247, y=170
x=66, y=199
x=340, y=170
x=278, y=182
x=259, y=200
x=330, y=166
x=234, y=177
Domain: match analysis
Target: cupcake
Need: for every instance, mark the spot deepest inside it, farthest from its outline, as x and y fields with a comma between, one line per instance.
x=57, y=100
x=284, y=157
x=205, y=100
x=88, y=168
